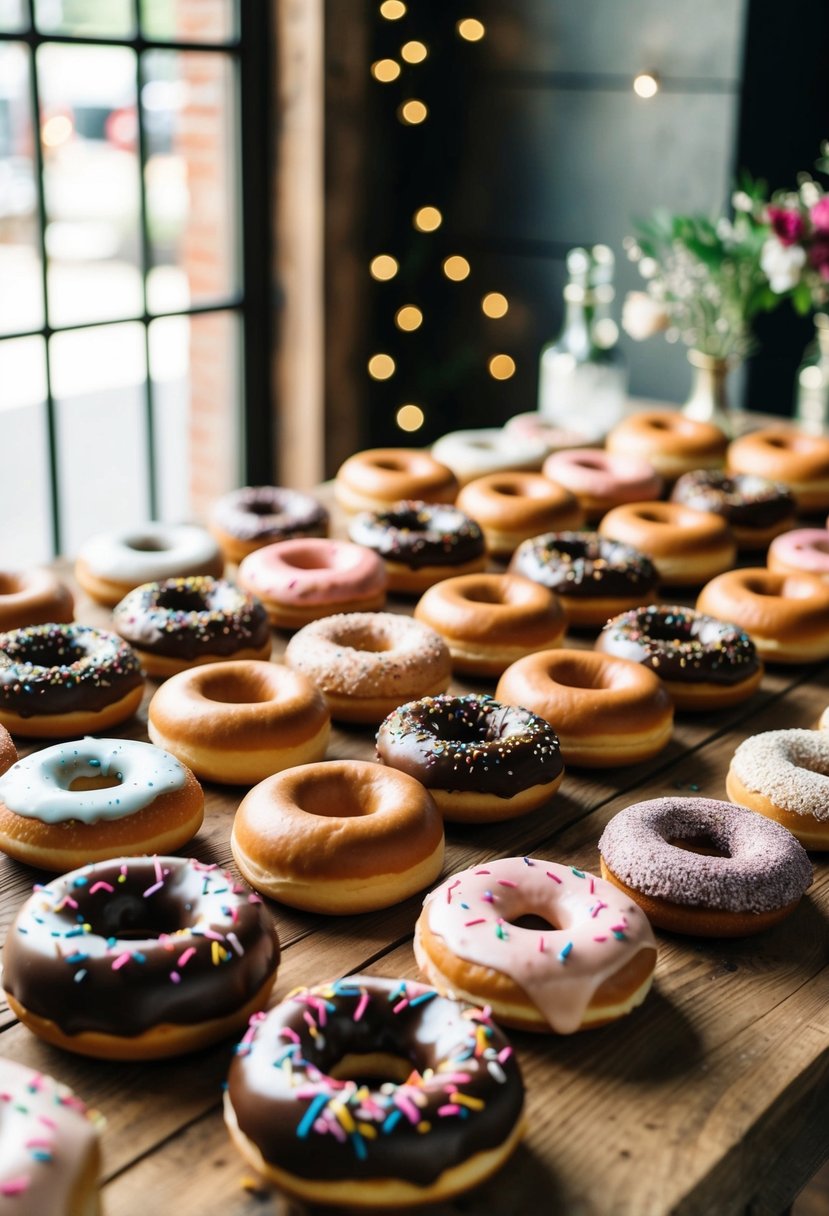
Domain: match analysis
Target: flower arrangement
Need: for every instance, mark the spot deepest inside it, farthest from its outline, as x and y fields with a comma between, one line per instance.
x=795, y=255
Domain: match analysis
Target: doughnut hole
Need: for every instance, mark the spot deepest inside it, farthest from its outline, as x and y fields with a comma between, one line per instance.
x=375, y=1068
x=175, y=599
x=239, y=687
x=704, y=846
x=146, y=544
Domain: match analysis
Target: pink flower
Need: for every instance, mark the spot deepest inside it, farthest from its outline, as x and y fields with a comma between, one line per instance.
x=819, y=254
x=787, y=225
x=819, y=215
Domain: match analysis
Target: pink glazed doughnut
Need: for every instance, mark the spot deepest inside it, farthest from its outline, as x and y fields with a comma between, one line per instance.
x=804, y=549
x=601, y=480
x=594, y=969
x=301, y=580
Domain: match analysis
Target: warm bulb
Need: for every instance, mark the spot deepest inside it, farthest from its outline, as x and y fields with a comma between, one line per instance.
x=408, y=318
x=412, y=112
x=495, y=305
x=380, y=367
x=413, y=52
x=410, y=417
x=471, y=29
x=456, y=268
x=385, y=70
x=392, y=10
x=646, y=85
x=383, y=267
x=501, y=367
x=427, y=219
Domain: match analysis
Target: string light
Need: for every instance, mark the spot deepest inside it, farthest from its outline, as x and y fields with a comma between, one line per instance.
x=383, y=267
x=427, y=219
x=380, y=367
x=646, y=85
x=408, y=318
x=410, y=417
x=471, y=29
x=494, y=305
x=501, y=367
x=385, y=70
x=392, y=10
x=413, y=112
x=413, y=52
x=456, y=268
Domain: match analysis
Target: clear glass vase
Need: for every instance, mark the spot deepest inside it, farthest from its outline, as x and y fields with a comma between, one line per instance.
x=812, y=400
x=708, y=401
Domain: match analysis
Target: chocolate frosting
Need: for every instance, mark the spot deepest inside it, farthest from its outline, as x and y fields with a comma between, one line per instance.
x=742, y=498
x=270, y=513
x=463, y=1093
x=585, y=565
x=418, y=534
x=192, y=618
x=681, y=644
x=56, y=669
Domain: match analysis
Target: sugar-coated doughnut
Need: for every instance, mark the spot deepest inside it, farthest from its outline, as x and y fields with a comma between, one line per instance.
x=8, y=752
x=368, y=663
x=704, y=867
x=481, y=761
x=784, y=774
x=594, y=578
x=64, y=680
x=378, y=478
x=94, y=799
x=303, y=580
x=49, y=1154
x=343, y=836
x=239, y=722
x=247, y=519
x=804, y=550
x=687, y=547
x=180, y=622
x=33, y=597
x=511, y=507
x=139, y=958
x=490, y=620
x=669, y=441
x=591, y=965
x=605, y=711
x=786, y=615
x=477, y=453
x=534, y=425
x=601, y=480
x=421, y=543
x=704, y=663
x=755, y=508
x=783, y=453
x=301, y=1112
x=112, y=563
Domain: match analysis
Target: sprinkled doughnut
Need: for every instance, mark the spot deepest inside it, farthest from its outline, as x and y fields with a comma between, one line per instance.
x=803, y=551
x=511, y=507
x=602, y=480
x=786, y=615
x=33, y=597
x=49, y=1155
x=480, y=761
x=96, y=798
x=247, y=519
x=368, y=663
x=300, y=1113
x=669, y=441
x=111, y=564
x=783, y=453
x=64, y=680
x=704, y=663
x=181, y=622
x=594, y=578
x=687, y=547
x=378, y=478
x=139, y=958
x=700, y=866
x=421, y=543
x=592, y=964
x=784, y=774
x=755, y=508
x=477, y=453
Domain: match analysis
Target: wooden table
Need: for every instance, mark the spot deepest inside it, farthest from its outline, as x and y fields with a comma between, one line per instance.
x=713, y=1097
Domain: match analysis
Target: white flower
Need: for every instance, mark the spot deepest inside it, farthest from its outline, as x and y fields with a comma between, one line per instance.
x=642, y=316
x=782, y=264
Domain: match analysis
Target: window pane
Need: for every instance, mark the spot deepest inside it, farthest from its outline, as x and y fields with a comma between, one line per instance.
x=13, y=16
x=192, y=128
x=99, y=18
x=91, y=179
x=22, y=307
x=190, y=20
x=25, y=527
x=98, y=382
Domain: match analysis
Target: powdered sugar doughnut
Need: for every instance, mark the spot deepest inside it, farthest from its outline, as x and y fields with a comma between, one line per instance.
x=784, y=774
x=802, y=550
x=472, y=454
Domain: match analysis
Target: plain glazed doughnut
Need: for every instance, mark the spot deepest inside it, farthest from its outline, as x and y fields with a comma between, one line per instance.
x=480, y=761
x=687, y=547
x=245, y=520
x=784, y=775
x=511, y=507
x=669, y=441
x=605, y=711
x=786, y=615
x=237, y=723
x=592, y=964
x=368, y=663
x=300, y=581
x=140, y=958
x=421, y=543
x=112, y=563
x=376, y=479
x=33, y=597
x=478, y=453
x=709, y=868
x=490, y=620
x=94, y=799
x=803, y=551
x=64, y=680
x=339, y=837
x=755, y=509
x=601, y=480
x=704, y=663
x=783, y=453
x=301, y=1114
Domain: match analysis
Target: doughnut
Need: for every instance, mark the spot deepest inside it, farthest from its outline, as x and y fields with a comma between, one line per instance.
x=601, y=480
x=8, y=752
x=605, y=711
x=511, y=507
x=96, y=798
x=783, y=453
x=702, y=662
x=477, y=453
x=49, y=1152
x=64, y=680
x=708, y=868
x=300, y=581
x=784, y=775
x=490, y=620
x=421, y=543
x=302, y=1107
x=33, y=597
x=181, y=622
x=755, y=509
x=670, y=442
x=376, y=479
x=786, y=615
x=254, y=516
x=239, y=722
x=687, y=547
x=343, y=836
x=112, y=563
x=594, y=578
x=590, y=964
x=805, y=550
x=368, y=663
x=480, y=761
x=139, y=958
x=823, y=722
x=534, y=425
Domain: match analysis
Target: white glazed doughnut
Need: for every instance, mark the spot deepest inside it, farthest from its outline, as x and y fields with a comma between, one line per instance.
x=113, y=563
x=472, y=454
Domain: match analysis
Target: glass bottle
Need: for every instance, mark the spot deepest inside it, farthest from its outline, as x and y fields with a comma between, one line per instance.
x=812, y=402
